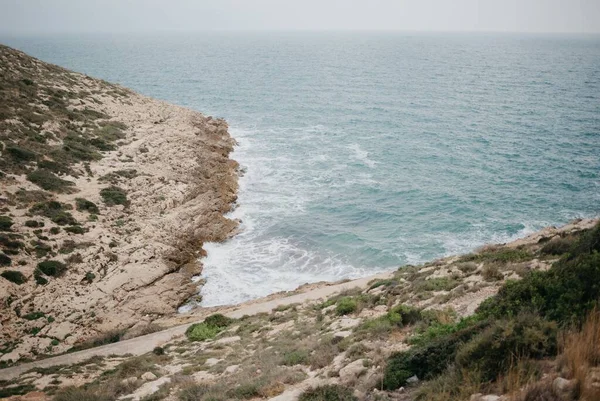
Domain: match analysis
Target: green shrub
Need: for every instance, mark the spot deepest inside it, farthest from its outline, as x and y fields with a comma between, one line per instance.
x=295, y=357
x=330, y=392
x=54, y=230
x=428, y=360
x=52, y=268
x=20, y=154
x=89, y=277
x=209, y=328
x=114, y=196
x=86, y=205
x=218, y=320
x=492, y=352
x=201, y=332
x=82, y=394
x=75, y=229
x=5, y=260
x=49, y=181
x=345, y=306
x=557, y=246
x=435, y=284
x=33, y=224
x=5, y=223
x=14, y=276
x=55, y=211
x=34, y=315
x=39, y=278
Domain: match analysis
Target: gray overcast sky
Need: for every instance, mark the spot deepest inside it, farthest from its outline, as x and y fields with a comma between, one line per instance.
x=53, y=16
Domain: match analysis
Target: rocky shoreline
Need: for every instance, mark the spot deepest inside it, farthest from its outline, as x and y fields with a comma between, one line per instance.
x=153, y=197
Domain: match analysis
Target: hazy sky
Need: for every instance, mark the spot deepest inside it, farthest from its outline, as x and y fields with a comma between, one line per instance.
x=45, y=16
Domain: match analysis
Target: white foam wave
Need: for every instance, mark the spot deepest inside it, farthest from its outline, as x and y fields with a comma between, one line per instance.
x=362, y=155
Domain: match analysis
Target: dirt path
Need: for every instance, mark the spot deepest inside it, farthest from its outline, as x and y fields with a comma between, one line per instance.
x=144, y=344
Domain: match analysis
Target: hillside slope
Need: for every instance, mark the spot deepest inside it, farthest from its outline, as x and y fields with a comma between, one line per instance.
x=106, y=198
x=351, y=341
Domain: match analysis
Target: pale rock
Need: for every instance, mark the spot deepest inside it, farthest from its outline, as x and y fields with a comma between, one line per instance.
x=341, y=334
x=350, y=372
x=481, y=397
x=328, y=309
x=148, y=376
x=565, y=389
x=11, y=357
x=61, y=330
x=147, y=389
x=212, y=361
x=345, y=323
x=228, y=340
x=232, y=369
x=412, y=380
x=129, y=380
x=591, y=384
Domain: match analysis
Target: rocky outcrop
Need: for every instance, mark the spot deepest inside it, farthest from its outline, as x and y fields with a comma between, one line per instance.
x=126, y=260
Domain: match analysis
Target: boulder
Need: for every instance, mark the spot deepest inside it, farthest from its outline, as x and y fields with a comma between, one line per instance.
x=591, y=385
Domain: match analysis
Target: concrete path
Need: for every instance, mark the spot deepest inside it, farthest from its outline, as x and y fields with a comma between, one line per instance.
x=143, y=344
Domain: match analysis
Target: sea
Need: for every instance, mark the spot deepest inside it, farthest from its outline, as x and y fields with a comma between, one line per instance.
x=362, y=152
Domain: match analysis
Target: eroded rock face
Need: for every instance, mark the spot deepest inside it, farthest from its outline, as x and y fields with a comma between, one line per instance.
x=125, y=263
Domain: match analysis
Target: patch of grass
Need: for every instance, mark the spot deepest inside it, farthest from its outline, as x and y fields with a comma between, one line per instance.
x=20, y=154
x=500, y=255
x=295, y=357
x=114, y=196
x=49, y=181
x=435, y=284
x=52, y=268
x=17, y=390
x=14, y=276
x=34, y=224
x=330, y=392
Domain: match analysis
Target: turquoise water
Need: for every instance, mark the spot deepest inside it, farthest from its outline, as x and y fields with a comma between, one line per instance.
x=367, y=151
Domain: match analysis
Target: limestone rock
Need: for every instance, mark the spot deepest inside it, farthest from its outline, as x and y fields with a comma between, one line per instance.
x=228, y=340
x=350, y=372
x=232, y=369
x=148, y=376
x=565, y=389
x=591, y=385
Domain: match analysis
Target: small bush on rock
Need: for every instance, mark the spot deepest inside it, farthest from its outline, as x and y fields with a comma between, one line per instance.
x=114, y=196
x=5, y=223
x=345, y=306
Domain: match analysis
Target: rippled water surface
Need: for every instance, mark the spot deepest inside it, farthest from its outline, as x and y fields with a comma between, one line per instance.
x=367, y=151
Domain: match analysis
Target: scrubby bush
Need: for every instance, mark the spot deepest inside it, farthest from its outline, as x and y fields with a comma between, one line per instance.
x=34, y=315
x=86, y=205
x=39, y=278
x=20, y=154
x=55, y=211
x=330, y=392
x=52, y=268
x=435, y=284
x=14, y=276
x=557, y=246
x=501, y=255
x=345, y=306
x=209, y=328
x=34, y=224
x=492, y=273
x=114, y=196
x=428, y=360
x=49, y=181
x=492, y=351
x=75, y=229
x=295, y=357
x=5, y=260
x=5, y=223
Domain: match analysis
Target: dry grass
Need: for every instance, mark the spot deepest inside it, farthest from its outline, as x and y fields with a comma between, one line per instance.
x=581, y=351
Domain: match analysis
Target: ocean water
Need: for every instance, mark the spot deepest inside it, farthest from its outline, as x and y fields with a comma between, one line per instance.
x=363, y=152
